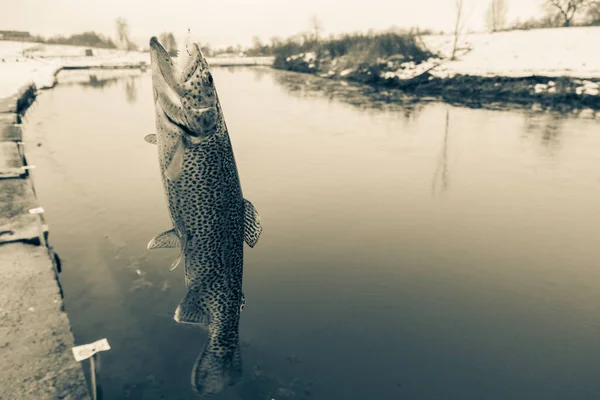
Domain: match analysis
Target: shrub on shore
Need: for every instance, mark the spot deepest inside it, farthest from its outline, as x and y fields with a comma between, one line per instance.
x=351, y=51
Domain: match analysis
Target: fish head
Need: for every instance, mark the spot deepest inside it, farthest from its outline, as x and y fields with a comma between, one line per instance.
x=184, y=93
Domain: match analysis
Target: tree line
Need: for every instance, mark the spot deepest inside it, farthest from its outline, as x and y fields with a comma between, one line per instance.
x=555, y=13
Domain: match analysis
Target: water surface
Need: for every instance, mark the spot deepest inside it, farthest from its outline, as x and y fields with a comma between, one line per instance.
x=410, y=250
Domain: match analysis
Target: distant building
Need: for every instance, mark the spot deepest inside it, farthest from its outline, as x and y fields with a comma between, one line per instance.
x=14, y=35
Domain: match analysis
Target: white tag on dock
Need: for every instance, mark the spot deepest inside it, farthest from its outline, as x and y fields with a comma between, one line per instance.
x=85, y=351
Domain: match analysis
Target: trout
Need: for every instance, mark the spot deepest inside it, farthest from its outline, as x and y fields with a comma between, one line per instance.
x=211, y=219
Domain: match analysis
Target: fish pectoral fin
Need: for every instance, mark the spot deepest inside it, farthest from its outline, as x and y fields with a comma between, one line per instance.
x=191, y=309
x=252, y=225
x=176, y=262
x=165, y=240
x=175, y=167
x=151, y=138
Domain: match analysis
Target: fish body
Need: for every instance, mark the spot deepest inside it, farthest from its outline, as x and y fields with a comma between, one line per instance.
x=211, y=219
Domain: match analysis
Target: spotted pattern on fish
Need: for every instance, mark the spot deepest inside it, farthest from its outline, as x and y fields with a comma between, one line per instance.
x=207, y=209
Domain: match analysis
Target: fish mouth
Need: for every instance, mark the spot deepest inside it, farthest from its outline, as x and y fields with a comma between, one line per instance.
x=168, y=90
x=178, y=89
x=164, y=67
x=174, y=77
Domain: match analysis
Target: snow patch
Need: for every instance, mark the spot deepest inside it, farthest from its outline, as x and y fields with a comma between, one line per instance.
x=589, y=88
x=540, y=87
x=542, y=52
x=410, y=70
x=308, y=57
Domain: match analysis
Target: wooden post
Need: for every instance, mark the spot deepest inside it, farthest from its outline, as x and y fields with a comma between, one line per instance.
x=93, y=377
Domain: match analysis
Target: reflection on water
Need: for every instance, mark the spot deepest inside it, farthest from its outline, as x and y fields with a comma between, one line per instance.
x=360, y=96
x=102, y=79
x=364, y=285
x=382, y=99
x=131, y=90
x=440, y=177
x=260, y=73
x=545, y=127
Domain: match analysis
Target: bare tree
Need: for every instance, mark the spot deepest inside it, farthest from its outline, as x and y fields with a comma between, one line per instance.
x=458, y=25
x=316, y=27
x=123, y=34
x=168, y=41
x=122, y=30
x=257, y=47
x=206, y=50
x=496, y=15
x=567, y=9
x=256, y=43
x=593, y=13
x=276, y=42
x=172, y=44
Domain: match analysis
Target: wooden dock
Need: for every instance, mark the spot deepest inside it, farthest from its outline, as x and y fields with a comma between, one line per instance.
x=36, y=361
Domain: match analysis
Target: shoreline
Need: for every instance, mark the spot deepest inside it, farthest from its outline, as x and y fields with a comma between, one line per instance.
x=561, y=93
x=549, y=68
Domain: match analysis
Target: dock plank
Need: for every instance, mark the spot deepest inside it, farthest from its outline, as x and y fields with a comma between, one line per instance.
x=9, y=104
x=9, y=118
x=10, y=132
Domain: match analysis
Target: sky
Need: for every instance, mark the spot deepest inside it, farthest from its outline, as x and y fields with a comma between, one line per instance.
x=229, y=22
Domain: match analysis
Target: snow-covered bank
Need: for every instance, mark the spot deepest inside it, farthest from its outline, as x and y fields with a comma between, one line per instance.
x=25, y=63
x=569, y=52
x=558, y=52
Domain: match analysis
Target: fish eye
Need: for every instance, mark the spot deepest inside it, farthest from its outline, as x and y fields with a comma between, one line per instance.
x=207, y=77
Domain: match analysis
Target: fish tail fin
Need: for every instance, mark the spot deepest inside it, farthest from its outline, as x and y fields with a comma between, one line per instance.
x=192, y=309
x=215, y=369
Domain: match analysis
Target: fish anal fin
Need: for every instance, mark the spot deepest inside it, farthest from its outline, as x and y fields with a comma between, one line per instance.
x=175, y=167
x=192, y=310
x=165, y=240
x=252, y=225
x=151, y=138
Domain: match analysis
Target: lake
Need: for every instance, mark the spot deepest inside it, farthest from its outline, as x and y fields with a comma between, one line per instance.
x=411, y=250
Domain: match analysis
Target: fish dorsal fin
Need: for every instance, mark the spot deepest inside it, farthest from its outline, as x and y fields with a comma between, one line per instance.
x=252, y=226
x=176, y=165
x=165, y=240
x=151, y=138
